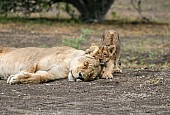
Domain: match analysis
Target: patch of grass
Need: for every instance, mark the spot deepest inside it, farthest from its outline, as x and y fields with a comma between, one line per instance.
x=29, y=20
x=49, y=21
x=77, y=41
x=25, y=20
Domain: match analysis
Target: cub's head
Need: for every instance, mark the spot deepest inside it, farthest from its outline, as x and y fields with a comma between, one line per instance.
x=102, y=53
x=84, y=68
x=110, y=37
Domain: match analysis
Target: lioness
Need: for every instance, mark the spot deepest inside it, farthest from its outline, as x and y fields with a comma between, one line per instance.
x=38, y=65
x=111, y=40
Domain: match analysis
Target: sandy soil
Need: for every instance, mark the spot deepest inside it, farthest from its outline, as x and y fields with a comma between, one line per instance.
x=138, y=92
x=142, y=89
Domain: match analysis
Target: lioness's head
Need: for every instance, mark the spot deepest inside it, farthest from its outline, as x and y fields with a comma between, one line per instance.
x=84, y=68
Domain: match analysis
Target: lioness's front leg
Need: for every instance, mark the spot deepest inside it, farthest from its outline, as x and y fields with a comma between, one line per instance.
x=26, y=77
x=40, y=76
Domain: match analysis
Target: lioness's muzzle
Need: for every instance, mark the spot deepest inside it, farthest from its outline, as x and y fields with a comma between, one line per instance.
x=80, y=77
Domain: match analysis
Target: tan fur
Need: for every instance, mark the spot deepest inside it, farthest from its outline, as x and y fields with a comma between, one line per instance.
x=104, y=55
x=4, y=50
x=111, y=40
x=93, y=50
x=38, y=65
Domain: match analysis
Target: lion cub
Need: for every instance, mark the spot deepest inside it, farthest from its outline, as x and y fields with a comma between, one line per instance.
x=103, y=54
x=111, y=40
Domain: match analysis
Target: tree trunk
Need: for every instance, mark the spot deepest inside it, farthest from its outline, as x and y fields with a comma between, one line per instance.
x=90, y=10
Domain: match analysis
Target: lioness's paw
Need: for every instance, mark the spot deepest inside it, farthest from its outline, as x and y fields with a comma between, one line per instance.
x=107, y=75
x=9, y=78
x=70, y=77
x=12, y=80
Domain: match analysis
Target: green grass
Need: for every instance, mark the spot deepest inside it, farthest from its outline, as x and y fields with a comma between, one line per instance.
x=28, y=20
x=49, y=21
x=76, y=42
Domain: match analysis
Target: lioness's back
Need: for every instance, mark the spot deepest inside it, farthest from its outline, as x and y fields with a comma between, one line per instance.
x=13, y=60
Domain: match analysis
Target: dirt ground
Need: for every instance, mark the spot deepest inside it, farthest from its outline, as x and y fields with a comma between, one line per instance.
x=142, y=89
x=136, y=92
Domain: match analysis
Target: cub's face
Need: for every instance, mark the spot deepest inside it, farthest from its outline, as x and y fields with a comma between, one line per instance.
x=105, y=53
x=84, y=68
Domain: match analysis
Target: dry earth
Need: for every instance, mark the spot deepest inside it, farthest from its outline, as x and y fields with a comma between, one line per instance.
x=135, y=92
x=142, y=89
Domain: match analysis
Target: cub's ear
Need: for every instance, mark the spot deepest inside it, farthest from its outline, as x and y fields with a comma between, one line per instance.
x=112, y=49
x=101, y=48
x=95, y=50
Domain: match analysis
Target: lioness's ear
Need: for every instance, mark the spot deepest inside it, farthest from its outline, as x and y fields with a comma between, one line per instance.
x=86, y=64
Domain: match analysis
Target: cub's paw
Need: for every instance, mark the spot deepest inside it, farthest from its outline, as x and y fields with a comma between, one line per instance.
x=107, y=75
x=12, y=80
x=117, y=70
